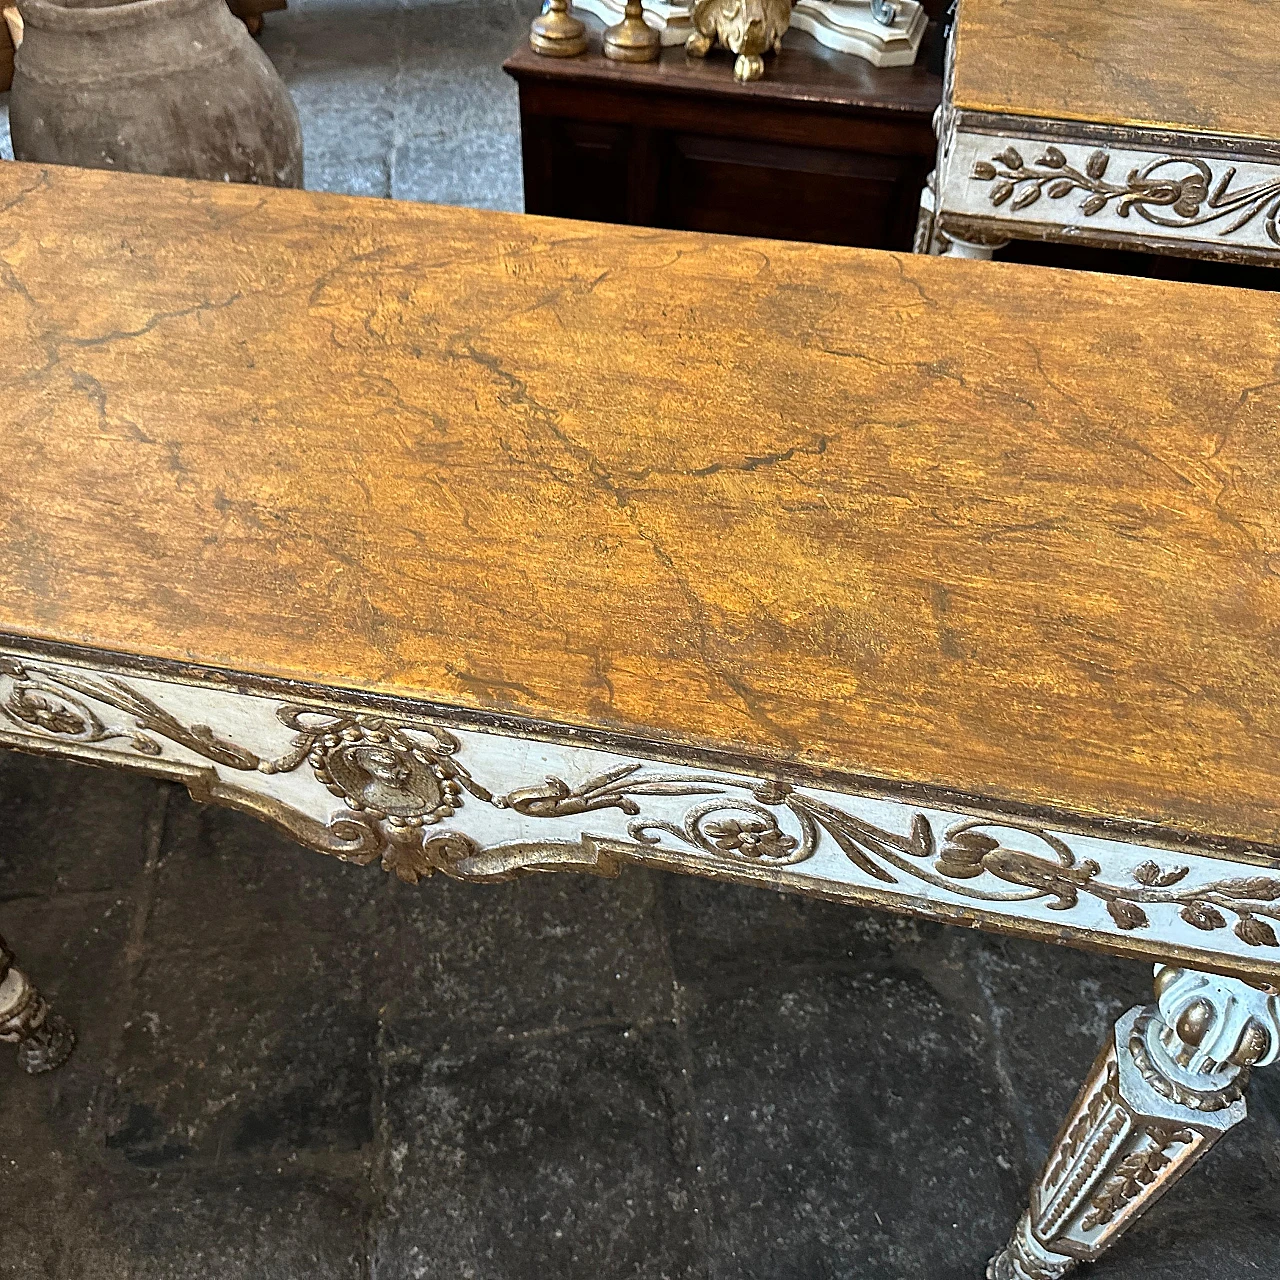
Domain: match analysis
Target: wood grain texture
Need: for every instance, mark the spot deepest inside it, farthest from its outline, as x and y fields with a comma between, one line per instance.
x=998, y=528
x=1169, y=64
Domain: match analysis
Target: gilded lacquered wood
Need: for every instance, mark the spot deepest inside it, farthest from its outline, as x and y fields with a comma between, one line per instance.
x=417, y=790
x=999, y=530
x=1167, y=64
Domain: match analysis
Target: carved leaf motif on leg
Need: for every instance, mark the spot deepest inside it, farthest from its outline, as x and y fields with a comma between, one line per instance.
x=1165, y=1088
x=1078, y=1133
x=1137, y=1171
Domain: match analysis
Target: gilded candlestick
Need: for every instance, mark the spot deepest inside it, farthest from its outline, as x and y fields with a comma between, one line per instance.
x=632, y=39
x=556, y=33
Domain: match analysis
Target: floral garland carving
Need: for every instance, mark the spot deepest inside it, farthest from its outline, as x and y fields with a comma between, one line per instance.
x=397, y=779
x=969, y=851
x=1163, y=184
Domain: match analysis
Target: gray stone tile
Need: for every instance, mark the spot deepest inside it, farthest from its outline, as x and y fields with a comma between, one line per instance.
x=334, y=169
x=727, y=935
x=1050, y=1009
x=532, y=955
x=525, y=1156
x=849, y=1120
x=408, y=100
x=277, y=1223
x=216, y=1079
x=258, y=882
x=451, y=169
x=52, y=843
x=451, y=63
x=75, y=951
x=339, y=68
x=252, y=1026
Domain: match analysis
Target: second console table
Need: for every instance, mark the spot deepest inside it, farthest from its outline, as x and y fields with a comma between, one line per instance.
x=1149, y=126
x=826, y=147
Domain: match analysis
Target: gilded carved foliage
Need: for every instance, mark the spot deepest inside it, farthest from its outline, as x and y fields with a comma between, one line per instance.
x=398, y=780
x=1134, y=1174
x=747, y=27
x=1095, y=1115
x=1171, y=191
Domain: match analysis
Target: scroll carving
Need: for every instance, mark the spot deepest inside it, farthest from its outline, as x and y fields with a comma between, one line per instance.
x=52, y=702
x=414, y=795
x=1171, y=191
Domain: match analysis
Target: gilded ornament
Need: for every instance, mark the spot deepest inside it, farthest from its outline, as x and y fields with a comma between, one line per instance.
x=748, y=28
x=632, y=39
x=556, y=33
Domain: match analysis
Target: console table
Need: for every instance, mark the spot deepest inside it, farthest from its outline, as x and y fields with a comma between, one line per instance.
x=484, y=545
x=1153, y=126
x=826, y=147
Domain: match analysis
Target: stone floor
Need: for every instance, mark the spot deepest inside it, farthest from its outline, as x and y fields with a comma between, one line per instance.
x=292, y=1068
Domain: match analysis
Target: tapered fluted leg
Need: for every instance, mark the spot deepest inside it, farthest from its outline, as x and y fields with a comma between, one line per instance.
x=44, y=1039
x=1162, y=1092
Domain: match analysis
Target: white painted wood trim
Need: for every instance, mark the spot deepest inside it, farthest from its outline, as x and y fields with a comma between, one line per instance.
x=1189, y=196
x=423, y=794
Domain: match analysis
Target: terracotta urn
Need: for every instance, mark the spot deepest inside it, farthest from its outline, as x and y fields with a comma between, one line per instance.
x=173, y=87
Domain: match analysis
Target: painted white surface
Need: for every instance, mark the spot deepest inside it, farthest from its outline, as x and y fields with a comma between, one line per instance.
x=814, y=859
x=1239, y=200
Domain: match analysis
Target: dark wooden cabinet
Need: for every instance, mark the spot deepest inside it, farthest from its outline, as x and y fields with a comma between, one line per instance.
x=824, y=148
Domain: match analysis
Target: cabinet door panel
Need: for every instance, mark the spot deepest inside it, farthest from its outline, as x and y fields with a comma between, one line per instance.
x=576, y=168
x=792, y=193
